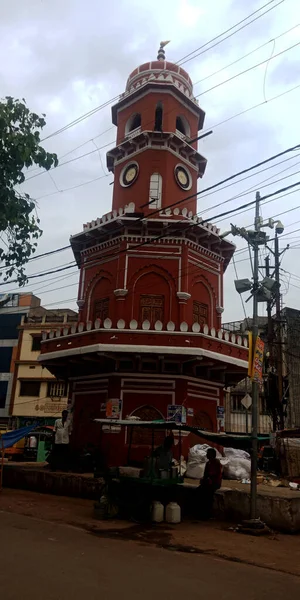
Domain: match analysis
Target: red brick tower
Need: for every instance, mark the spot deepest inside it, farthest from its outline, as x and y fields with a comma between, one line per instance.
x=151, y=275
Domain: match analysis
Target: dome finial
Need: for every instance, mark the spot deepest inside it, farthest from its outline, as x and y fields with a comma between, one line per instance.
x=161, y=53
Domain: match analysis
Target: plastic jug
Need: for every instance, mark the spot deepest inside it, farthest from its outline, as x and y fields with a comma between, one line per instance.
x=157, y=512
x=173, y=513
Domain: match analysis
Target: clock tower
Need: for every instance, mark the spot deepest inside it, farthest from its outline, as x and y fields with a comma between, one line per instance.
x=155, y=162
x=150, y=297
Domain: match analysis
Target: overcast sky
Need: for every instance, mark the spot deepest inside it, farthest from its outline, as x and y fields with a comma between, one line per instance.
x=66, y=58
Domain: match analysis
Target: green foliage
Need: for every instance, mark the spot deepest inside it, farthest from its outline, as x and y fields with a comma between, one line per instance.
x=19, y=149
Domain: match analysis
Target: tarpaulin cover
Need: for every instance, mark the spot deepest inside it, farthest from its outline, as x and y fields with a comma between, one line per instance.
x=12, y=437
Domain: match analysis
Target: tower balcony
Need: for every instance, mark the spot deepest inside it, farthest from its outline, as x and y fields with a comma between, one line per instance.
x=90, y=341
x=138, y=141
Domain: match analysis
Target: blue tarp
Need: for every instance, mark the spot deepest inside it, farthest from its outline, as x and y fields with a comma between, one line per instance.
x=12, y=437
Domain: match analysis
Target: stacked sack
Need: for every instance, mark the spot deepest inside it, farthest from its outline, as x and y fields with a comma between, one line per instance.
x=236, y=463
x=239, y=464
x=197, y=461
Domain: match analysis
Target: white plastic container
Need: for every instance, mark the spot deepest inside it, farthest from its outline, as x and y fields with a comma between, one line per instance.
x=157, y=512
x=173, y=513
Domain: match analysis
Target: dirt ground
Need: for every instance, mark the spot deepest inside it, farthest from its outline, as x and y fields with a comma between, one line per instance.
x=276, y=551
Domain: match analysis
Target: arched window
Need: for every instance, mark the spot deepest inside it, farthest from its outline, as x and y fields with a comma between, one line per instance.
x=155, y=190
x=182, y=126
x=158, y=117
x=133, y=123
x=142, y=436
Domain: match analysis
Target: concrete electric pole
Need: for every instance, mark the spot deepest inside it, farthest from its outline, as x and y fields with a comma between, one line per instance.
x=260, y=291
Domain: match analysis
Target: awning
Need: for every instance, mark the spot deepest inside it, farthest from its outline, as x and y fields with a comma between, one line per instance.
x=12, y=437
x=221, y=439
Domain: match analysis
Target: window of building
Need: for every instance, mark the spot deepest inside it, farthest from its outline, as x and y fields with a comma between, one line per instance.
x=149, y=366
x=8, y=300
x=155, y=190
x=3, y=393
x=171, y=367
x=158, y=117
x=57, y=389
x=101, y=309
x=133, y=123
x=200, y=313
x=236, y=403
x=5, y=359
x=36, y=343
x=126, y=365
x=30, y=388
x=151, y=308
x=182, y=126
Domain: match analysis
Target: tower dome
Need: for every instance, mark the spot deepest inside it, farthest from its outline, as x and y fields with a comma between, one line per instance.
x=160, y=71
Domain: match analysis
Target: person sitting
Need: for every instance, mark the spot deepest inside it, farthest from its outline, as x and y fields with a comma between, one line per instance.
x=164, y=454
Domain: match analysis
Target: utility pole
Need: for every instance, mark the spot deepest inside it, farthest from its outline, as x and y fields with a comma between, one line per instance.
x=255, y=390
x=278, y=330
x=260, y=291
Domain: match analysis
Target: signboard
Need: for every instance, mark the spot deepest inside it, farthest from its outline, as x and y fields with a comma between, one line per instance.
x=250, y=354
x=258, y=359
x=246, y=401
x=113, y=409
x=177, y=413
x=220, y=412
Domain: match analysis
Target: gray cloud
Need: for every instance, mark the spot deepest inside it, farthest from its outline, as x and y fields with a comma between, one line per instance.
x=68, y=57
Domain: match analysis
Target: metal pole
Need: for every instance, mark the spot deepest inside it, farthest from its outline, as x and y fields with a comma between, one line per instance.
x=255, y=390
x=246, y=392
x=278, y=332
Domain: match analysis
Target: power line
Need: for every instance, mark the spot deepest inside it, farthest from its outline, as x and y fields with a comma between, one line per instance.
x=276, y=97
x=67, y=162
x=208, y=208
x=108, y=102
x=172, y=110
x=73, y=187
x=230, y=178
x=267, y=60
x=165, y=234
x=187, y=59
x=214, y=186
x=245, y=55
x=243, y=112
x=41, y=274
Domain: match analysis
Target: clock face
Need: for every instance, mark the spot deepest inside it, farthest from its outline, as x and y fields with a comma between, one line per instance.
x=183, y=177
x=129, y=174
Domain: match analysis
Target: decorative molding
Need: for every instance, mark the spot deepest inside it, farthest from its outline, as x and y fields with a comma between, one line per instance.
x=146, y=349
x=219, y=309
x=120, y=293
x=183, y=297
x=80, y=303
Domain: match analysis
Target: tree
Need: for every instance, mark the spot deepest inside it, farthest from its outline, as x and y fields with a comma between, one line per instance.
x=19, y=149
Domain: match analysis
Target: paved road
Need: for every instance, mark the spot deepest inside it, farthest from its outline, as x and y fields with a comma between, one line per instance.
x=53, y=562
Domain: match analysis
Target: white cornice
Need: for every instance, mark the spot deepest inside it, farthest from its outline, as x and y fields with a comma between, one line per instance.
x=125, y=348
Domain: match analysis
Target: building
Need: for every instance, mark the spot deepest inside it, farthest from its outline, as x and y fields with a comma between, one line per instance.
x=290, y=326
x=36, y=394
x=237, y=418
x=150, y=295
x=13, y=307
